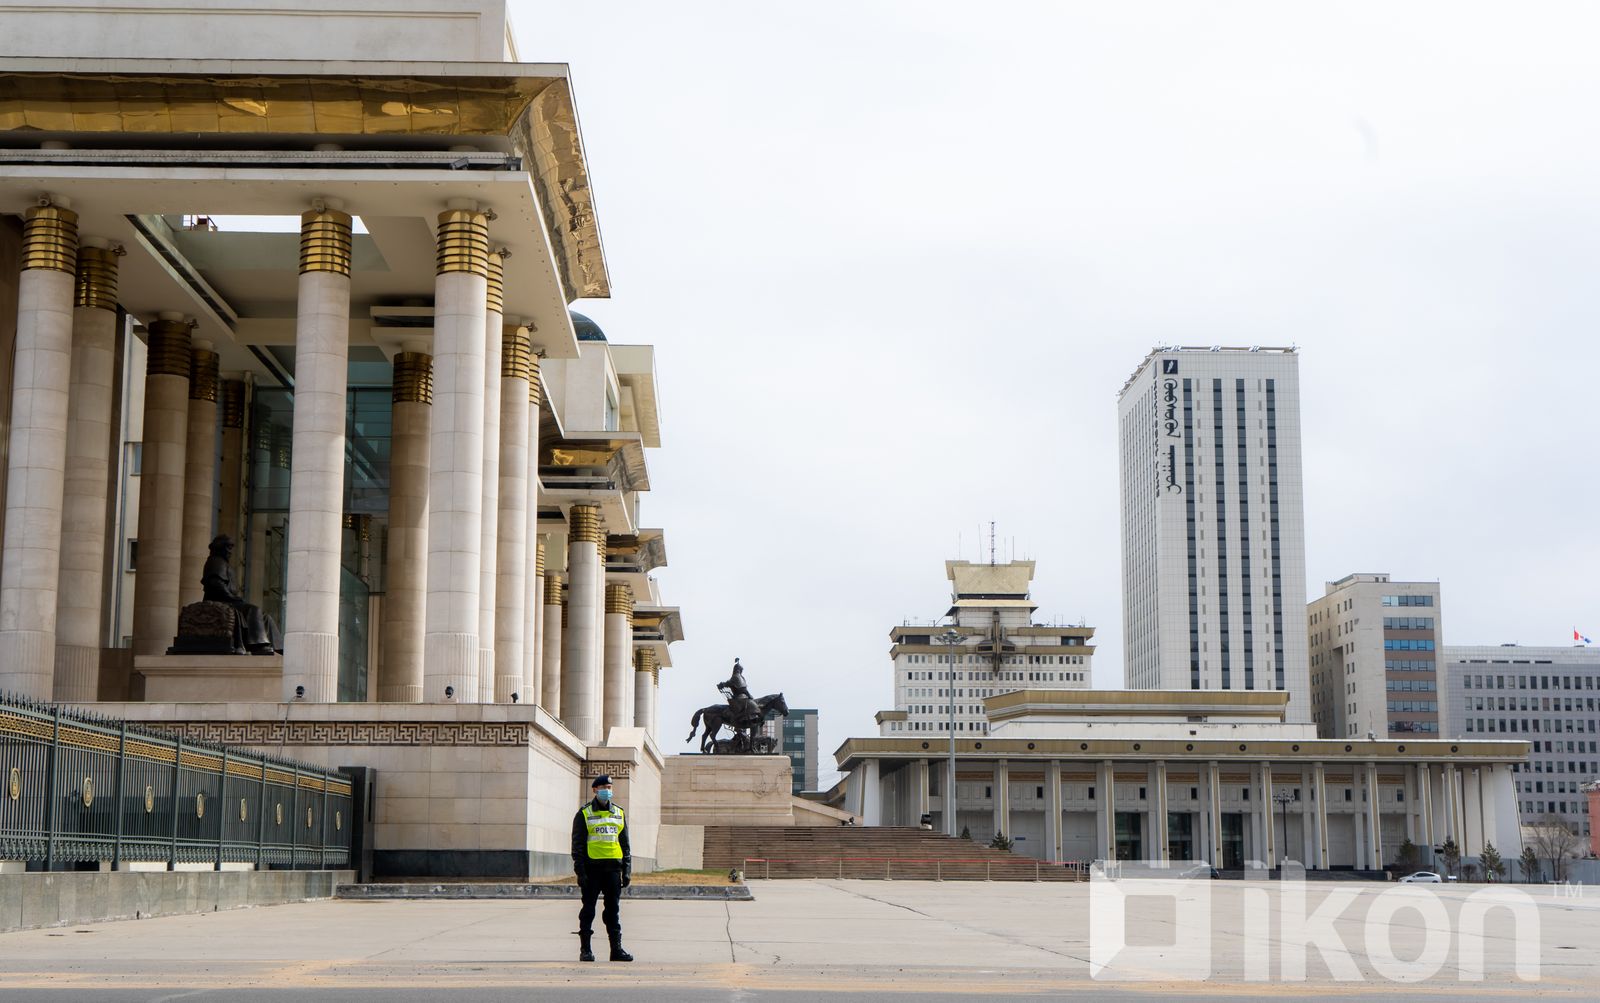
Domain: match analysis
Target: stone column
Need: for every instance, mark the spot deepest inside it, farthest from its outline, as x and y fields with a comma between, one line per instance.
x=406, y=575
x=455, y=459
x=600, y=627
x=1214, y=795
x=1425, y=795
x=316, y=471
x=79, y=627
x=1106, y=811
x=231, y=499
x=1052, y=809
x=1267, y=805
x=513, y=584
x=1308, y=855
x=619, y=688
x=166, y=434
x=580, y=671
x=1002, y=797
x=1374, y=826
x=533, y=611
x=1162, y=836
x=551, y=682
x=489, y=533
x=533, y=647
x=1447, y=801
x=1320, y=792
x=644, y=692
x=199, y=472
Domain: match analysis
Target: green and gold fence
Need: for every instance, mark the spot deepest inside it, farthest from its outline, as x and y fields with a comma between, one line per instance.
x=81, y=790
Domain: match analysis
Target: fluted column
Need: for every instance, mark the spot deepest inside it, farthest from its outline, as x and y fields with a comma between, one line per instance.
x=619, y=690
x=533, y=660
x=600, y=630
x=533, y=610
x=644, y=689
x=316, y=472
x=199, y=471
x=550, y=634
x=166, y=435
x=30, y=567
x=580, y=666
x=79, y=629
x=455, y=459
x=231, y=499
x=512, y=585
x=489, y=543
x=406, y=574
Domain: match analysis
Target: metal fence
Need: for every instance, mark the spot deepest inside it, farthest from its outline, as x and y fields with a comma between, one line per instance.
x=916, y=868
x=80, y=789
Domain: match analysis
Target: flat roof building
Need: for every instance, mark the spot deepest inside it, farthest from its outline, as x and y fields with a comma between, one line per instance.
x=1374, y=658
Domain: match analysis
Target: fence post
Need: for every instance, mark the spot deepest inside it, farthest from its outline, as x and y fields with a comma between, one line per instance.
x=294, y=818
x=841, y=868
x=51, y=814
x=222, y=807
x=122, y=769
x=987, y=864
x=888, y=862
x=938, y=870
x=177, y=772
x=322, y=843
x=1036, y=870
x=261, y=820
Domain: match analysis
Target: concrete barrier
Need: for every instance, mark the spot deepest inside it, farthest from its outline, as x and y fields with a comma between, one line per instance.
x=63, y=898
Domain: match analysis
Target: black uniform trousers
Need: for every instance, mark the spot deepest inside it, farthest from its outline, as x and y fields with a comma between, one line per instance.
x=600, y=879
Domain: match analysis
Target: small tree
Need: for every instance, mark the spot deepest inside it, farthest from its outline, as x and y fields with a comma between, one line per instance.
x=1489, y=859
x=1000, y=842
x=1530, y=863
x=1469, y=872
x=1554, y=842
x=966, y=832
x=1406, y=857
x=1450, y=853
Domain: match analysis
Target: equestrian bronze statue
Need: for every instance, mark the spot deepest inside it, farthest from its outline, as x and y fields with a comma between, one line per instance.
x=742, y=715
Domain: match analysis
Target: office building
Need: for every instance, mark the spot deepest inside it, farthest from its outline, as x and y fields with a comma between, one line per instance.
x=1374, y=647
x=800, y=745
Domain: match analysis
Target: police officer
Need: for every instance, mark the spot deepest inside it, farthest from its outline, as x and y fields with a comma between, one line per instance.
x=604, y=865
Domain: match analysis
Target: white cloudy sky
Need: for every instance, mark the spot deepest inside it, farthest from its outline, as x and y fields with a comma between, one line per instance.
x=897, y=260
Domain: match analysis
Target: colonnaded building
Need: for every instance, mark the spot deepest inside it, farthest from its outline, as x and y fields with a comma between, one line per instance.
x=433, y=471
x=1211, y=754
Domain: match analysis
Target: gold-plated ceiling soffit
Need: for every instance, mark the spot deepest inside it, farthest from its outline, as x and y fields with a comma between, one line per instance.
x=547, y=137
x=592, y=453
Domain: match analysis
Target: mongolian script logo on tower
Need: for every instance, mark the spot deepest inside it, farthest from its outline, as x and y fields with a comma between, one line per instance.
x=1169, y=409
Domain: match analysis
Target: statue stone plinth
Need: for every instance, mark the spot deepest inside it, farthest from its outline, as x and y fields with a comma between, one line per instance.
x=208, y=628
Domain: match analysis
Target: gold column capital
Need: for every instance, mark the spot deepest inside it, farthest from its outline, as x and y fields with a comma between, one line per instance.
x=325, y=241
x=495, y=290
x=515, y=351
x=97, y=278
x=233, y=403
x=535, y=389
x=202, y=375
x=538, y=558
x=167, y=344
x=553, y=586
x=50, y=239
x=619, y=599
x=463, y=242
x=584, y=525
x=413, y=378
x=644, y=660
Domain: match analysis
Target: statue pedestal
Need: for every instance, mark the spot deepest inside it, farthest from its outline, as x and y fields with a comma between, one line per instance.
x=727, y=790
x=211, y=678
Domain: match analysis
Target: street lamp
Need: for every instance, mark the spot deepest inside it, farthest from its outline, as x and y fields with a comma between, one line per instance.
x=951, y=639
x=1283, y=798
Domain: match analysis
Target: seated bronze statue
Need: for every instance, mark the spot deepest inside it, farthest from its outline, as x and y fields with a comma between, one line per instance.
x=253, y=630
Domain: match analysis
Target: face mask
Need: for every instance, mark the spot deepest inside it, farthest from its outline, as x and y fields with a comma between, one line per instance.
x=604, y=797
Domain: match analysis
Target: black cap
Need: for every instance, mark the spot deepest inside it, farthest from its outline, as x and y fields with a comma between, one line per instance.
x=600, y=781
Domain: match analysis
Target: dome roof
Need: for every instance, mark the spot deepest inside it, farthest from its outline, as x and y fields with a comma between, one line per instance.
x=586, y=329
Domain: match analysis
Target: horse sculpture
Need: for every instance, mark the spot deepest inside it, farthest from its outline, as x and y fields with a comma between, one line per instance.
x=744, y=740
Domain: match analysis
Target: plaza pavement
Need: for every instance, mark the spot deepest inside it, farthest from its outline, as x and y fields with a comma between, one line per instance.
x=844, y=939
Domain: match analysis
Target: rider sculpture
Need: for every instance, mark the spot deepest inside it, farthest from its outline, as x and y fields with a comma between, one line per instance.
x=742, y=714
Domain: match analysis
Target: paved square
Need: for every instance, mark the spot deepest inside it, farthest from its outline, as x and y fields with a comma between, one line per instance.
x=850, y=938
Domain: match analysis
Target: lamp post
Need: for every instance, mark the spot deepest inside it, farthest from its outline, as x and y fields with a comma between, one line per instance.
x=951, y=639
x=1283, y=798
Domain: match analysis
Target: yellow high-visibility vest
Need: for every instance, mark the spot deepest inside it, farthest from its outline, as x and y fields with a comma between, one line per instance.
x=605, y=833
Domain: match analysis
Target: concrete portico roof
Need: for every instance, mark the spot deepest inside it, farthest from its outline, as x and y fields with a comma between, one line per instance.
x=121, y=205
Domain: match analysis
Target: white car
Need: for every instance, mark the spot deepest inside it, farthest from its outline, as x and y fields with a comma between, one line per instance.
x=1422, y=877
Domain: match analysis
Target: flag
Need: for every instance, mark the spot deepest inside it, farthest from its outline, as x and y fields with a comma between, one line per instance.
x=1579, y=637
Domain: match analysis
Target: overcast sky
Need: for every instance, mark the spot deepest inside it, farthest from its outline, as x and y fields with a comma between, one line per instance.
x=898, y=259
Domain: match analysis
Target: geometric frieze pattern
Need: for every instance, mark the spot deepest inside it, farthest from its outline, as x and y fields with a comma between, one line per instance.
x=595, y=768
x=412, y=733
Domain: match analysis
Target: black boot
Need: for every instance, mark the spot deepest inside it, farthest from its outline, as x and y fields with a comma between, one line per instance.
x=585, y=952
x=617, y=953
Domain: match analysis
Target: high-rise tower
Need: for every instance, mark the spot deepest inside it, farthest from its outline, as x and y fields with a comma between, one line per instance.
x=1213, y=523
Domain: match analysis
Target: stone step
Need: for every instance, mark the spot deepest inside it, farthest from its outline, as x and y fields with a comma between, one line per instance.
x=380, y=891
